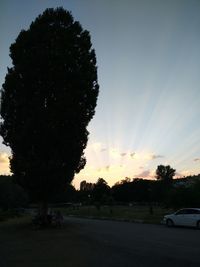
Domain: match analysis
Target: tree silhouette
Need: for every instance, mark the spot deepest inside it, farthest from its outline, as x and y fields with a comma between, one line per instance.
x=48, y=98
x=11, y=194
x=165, y=173
x=100, y=192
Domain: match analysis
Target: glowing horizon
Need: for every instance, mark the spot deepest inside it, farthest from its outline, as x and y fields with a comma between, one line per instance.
x=122, y=164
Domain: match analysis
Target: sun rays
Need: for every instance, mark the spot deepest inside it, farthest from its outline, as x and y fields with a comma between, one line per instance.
x=149, y=103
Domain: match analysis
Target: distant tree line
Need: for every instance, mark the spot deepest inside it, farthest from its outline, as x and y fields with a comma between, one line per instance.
x=165, y=191
x=11, y=195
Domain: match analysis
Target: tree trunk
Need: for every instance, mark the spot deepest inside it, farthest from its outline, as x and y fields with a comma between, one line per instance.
x=44, y=213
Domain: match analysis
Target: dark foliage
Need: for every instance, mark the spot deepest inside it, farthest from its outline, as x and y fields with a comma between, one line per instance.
x=138, y=190
x=179, y=193
x=100, y=191
x=48, y=98
x=185, y=193
x=11, y=194
x=85, y=194
x=165, y=173
x=66, y=196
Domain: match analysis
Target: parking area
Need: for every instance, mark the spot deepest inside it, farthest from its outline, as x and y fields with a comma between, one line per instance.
x=99, y=243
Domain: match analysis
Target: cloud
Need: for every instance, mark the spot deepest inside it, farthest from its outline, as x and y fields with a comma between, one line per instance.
x=4, y=164
x=114, y=153
x=107, y=168
x=197, y=159
x=144, y=174
x=4, y=158
x=179, y=175
x=132, y=155
x=96, y=146
x=153, y=156
x=117, y=154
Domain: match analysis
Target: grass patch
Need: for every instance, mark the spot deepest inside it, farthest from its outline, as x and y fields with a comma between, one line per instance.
x=134, y=213
x=8, y=214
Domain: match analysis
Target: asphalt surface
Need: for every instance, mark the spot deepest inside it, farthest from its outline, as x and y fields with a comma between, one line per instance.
x=99, y=243
x=121, y=244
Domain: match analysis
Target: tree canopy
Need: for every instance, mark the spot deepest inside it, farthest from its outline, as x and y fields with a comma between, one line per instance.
x=11, y=194
x=48, y=98
x=165, y=173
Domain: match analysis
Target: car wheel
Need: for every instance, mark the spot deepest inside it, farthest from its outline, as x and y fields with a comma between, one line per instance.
x=169, y=223
x=198, y=225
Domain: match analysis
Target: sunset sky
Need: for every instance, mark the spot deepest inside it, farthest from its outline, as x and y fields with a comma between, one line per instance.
x=148, y=57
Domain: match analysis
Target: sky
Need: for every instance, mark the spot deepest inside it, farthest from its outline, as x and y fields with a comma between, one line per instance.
x=148, y=57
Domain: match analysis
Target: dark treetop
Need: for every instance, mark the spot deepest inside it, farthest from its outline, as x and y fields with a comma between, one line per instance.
x=165, y=173
x=48, y=98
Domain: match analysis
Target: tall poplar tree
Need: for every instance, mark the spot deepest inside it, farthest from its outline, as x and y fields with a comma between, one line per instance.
x=48, y=98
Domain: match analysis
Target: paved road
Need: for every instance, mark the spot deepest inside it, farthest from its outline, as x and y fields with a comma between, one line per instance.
x=121, y=244
x=96, y=243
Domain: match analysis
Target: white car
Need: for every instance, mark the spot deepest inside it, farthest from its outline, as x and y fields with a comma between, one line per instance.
x=184, y=217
